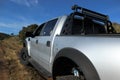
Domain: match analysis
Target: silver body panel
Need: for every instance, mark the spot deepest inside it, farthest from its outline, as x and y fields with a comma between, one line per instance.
x=102, y=51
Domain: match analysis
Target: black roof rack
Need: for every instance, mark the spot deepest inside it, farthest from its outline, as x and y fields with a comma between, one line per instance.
x=89, y=13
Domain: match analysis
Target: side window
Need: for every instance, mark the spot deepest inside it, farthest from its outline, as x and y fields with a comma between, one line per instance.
x=94, y=26
x=48, y=28
x=38, y=30
x=79, y=25
x=99, y=28
x=88, y=26
x=73, y=26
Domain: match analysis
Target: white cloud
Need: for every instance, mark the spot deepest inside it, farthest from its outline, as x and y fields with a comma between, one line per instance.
x=27, y=3
x=22, y=18
x=12, y=25
x=33, y=2
x=26, y=20
x=8, y=25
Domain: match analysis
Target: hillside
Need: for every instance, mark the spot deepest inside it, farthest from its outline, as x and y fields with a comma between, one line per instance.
x=3, y=36
x=117, y=27
x=10, y=66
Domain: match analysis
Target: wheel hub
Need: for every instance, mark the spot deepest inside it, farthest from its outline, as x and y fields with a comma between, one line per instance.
x=78, y=73
x=75, y=72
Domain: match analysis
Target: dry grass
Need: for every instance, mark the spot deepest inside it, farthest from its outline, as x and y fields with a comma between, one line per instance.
x=117, y=27
x=9, y=51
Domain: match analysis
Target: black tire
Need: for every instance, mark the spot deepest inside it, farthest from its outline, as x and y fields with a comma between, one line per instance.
x=24, y=57
x=68, y=77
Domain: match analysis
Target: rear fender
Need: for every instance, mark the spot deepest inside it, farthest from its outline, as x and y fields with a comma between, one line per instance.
x=81, y=60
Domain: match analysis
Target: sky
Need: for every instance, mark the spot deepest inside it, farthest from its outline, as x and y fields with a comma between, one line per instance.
x=15, y=14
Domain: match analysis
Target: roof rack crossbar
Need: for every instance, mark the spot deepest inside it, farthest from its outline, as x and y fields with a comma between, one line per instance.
x=90, y=13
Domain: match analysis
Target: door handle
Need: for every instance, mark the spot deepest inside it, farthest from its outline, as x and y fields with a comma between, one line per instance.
x=36, y=41
x=28, y=39
x=48, y=43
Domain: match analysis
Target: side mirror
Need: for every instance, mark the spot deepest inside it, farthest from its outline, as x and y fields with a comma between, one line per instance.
x=28, y=34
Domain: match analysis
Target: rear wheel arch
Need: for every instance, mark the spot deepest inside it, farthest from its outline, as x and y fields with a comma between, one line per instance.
x=76, y=58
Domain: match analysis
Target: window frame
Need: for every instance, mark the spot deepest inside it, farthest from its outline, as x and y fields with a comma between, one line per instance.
x=47, y=23
x=39, y=28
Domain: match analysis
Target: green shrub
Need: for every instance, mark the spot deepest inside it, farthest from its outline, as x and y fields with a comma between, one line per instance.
x=29, y=28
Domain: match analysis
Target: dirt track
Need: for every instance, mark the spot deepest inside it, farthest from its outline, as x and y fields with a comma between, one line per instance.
x=10, y=66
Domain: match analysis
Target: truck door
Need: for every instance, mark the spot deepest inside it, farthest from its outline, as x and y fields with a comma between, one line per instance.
x=43, y=44
x=33, y=41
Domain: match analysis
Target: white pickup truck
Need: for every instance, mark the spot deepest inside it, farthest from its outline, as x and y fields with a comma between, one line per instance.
x=79, y=46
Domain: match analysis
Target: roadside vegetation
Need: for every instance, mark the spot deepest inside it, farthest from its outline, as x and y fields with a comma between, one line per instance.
x=10, y=66
x=117, y=27
x=3, y=36
x=29, y=28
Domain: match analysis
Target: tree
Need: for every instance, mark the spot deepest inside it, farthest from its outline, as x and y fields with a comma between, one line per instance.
x=29, y=28
x=12, y=34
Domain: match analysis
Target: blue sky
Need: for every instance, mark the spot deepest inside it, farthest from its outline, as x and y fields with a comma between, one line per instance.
x=14, y=14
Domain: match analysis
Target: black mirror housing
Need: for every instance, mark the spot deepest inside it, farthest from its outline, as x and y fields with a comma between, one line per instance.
x=28, y=34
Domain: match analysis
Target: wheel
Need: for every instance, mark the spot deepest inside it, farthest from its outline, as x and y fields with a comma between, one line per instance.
x=24, y=56
x=76, y=75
